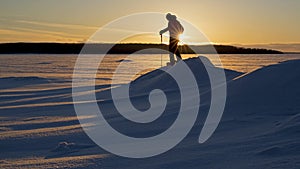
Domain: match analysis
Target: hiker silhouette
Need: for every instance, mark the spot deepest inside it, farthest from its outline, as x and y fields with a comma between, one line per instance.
x=175, y=29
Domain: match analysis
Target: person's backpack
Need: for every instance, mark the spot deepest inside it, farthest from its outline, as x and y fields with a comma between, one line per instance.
x=180, y=27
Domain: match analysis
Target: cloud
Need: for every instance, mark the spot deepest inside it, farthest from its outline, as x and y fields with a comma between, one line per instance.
x=46, y=32
x=6, y=31
x=57, y=25
x=7, y=35
x=15, y=30
x=71, y=26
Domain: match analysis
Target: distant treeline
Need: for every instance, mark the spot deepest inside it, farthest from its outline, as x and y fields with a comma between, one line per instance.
x=99, y=48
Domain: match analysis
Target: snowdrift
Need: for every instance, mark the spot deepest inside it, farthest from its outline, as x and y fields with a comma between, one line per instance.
x=275, y=87
x=259, y=128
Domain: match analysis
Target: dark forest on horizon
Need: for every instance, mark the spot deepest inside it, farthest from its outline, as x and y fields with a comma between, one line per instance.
x=126, y=48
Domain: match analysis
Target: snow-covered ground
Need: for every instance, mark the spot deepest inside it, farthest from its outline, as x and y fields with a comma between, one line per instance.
x=260, y=127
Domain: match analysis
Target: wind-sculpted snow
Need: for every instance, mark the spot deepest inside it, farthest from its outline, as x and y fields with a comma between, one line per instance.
x=259, y=127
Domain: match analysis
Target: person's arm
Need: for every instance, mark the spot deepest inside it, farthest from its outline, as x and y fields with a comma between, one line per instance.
x=164, y=30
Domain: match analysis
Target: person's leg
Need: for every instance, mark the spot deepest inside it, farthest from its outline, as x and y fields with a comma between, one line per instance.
x=178, y=55
x=172, y=50
x=175, y=49
x=172, y=58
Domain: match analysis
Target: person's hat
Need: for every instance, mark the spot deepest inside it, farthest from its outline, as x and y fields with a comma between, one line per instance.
x=169, y=16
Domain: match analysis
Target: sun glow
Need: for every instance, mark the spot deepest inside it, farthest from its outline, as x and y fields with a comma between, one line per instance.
x=182, y=39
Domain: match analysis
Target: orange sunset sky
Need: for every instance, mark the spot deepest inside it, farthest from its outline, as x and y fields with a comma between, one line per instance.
x=256, y=23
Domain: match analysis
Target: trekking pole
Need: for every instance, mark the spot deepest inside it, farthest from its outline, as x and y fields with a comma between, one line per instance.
x=161, y=40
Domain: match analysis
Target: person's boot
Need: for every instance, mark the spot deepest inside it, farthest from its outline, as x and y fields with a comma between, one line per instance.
x=178, y=58
x=170, y=64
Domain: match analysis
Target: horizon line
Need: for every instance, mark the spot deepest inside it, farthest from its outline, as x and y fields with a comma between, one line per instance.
x=293, y=47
